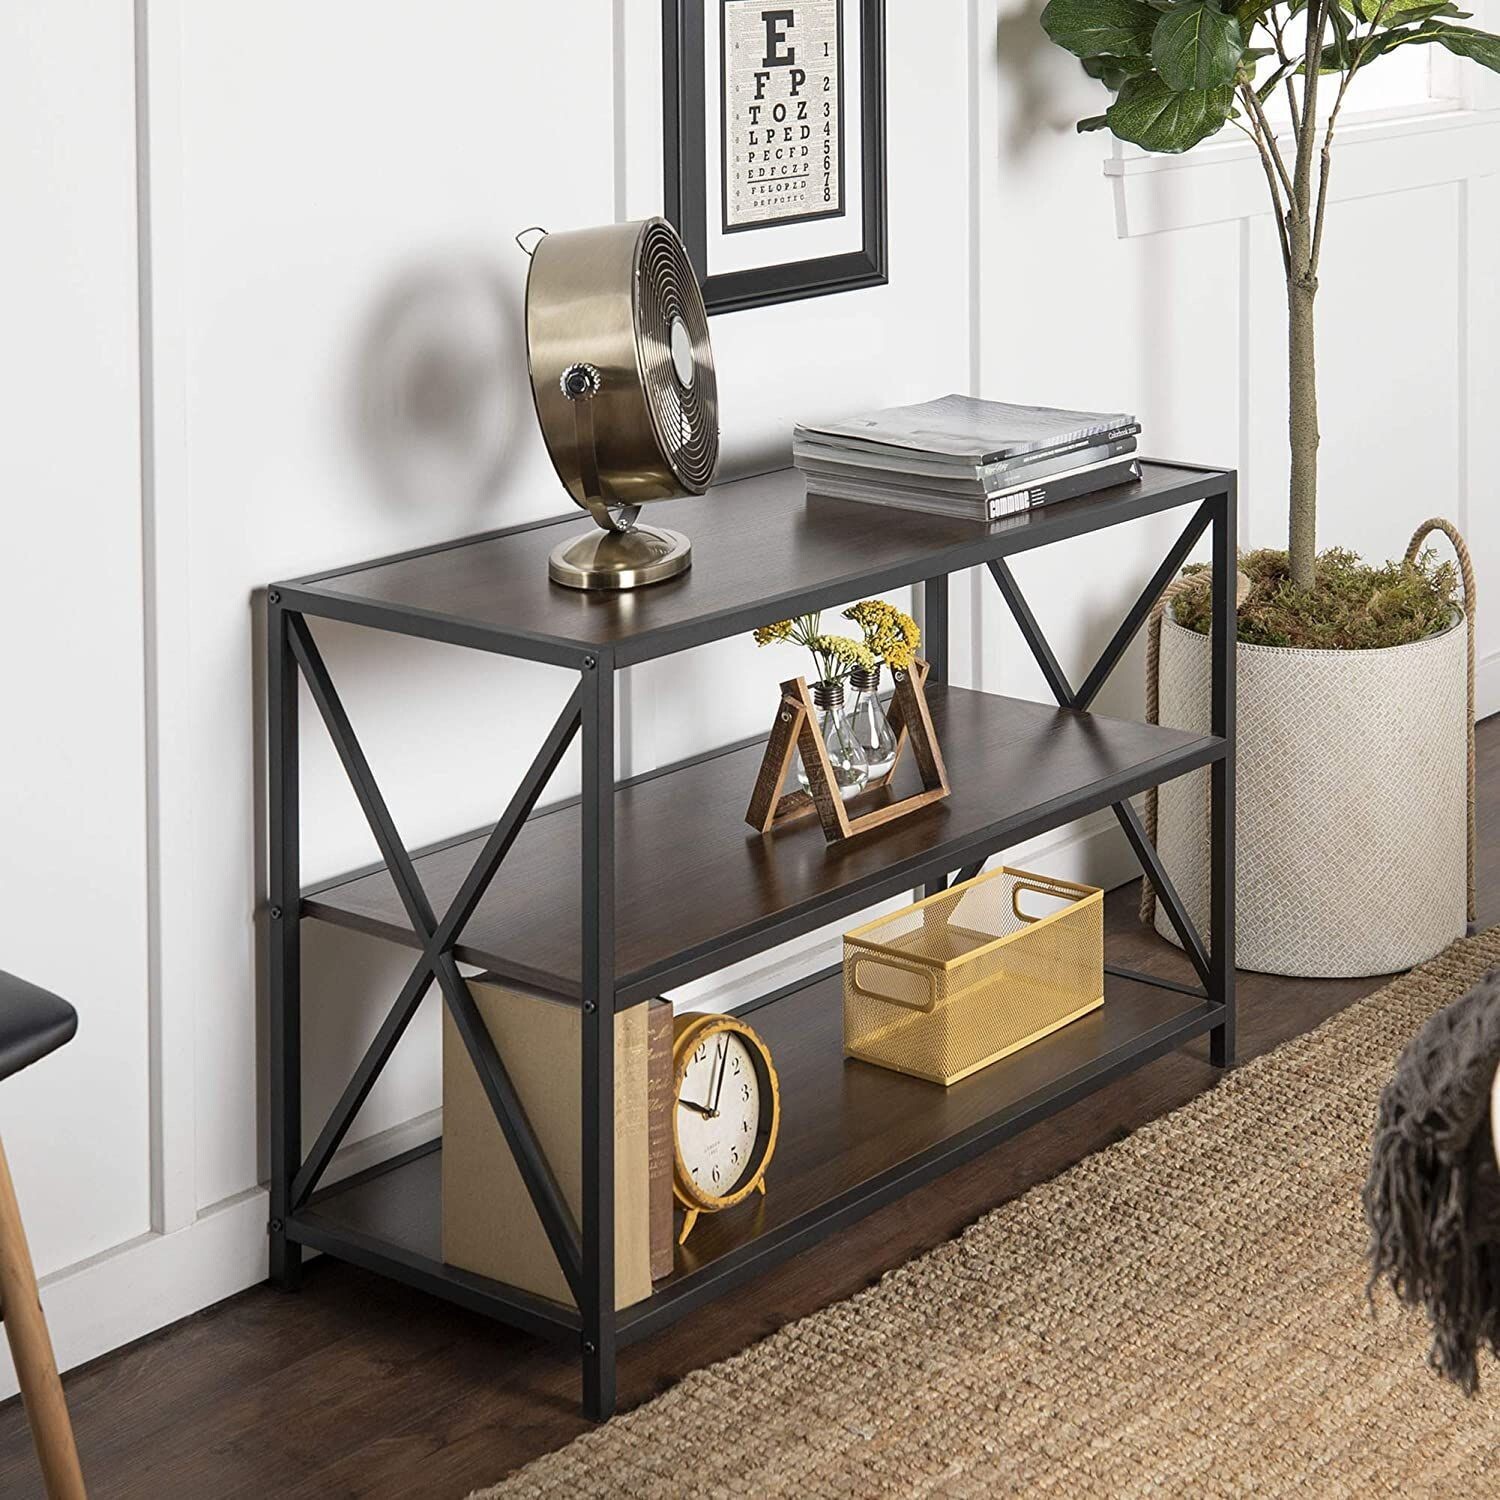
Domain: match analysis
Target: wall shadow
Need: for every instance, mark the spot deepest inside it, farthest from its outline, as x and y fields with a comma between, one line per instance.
x=1041, y=80
x=439, y=386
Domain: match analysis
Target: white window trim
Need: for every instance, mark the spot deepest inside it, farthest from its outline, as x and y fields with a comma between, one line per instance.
x=1441, y=139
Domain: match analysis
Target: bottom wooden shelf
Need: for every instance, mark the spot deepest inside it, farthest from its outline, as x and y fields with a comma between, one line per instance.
x=853, y=1137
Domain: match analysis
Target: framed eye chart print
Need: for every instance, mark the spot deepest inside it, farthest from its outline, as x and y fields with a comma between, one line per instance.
x=774, y=114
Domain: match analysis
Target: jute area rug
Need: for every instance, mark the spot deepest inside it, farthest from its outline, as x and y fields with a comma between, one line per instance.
x=1182, y=1314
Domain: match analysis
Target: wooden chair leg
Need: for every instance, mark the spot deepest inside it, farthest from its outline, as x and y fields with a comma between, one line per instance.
x=31, y=1347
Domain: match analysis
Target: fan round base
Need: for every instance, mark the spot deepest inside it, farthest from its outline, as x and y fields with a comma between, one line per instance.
x=620, y=559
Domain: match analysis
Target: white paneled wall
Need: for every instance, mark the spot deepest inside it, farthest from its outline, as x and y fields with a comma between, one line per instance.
x=74, y=855
x=1478, y=399
x=331, y=366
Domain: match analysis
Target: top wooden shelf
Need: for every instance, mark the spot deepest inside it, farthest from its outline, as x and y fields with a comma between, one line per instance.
x=764, y=549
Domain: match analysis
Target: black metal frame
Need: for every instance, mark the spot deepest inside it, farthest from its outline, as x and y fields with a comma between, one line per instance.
x=1215, y=966
x=585, y=1250
x=684, y=154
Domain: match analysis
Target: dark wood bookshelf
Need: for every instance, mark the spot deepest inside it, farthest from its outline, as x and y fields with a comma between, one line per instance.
x=635, y=887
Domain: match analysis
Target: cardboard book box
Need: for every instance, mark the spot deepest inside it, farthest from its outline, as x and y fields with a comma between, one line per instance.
x=490, y=1225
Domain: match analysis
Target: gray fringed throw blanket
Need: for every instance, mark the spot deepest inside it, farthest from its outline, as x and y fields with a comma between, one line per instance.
x=1432, y=1200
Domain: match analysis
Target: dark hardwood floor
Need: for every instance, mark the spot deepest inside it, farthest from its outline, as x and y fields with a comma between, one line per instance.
x=360, y=1388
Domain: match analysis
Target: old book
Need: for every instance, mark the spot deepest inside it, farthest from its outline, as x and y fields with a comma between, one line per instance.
x=489, y=1222
x=945, y=473
x=967, y=431
x=1066, y=486
x=660, y=1103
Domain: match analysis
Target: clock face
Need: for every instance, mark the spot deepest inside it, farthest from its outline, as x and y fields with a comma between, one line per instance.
x=719, y=1104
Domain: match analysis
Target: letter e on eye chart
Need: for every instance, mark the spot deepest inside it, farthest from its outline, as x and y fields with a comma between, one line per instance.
x=782, y=111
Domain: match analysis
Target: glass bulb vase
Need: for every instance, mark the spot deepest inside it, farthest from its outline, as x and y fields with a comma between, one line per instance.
x=851, y=770
x=869, y=725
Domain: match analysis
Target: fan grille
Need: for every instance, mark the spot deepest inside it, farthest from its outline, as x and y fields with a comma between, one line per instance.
x=685, y=417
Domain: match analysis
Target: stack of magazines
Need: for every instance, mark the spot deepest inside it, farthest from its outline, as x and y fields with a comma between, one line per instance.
x=959, y=456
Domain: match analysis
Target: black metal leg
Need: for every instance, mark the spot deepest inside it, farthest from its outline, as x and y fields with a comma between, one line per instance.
x=597, y=1302
x=935, y=627
x=935, y=653
x=285, y=941
x=1221, y=783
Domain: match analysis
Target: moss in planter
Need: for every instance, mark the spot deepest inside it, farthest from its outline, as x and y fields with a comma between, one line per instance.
x=1351, y=606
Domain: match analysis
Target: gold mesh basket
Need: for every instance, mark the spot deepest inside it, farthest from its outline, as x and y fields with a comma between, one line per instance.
x=945, y=987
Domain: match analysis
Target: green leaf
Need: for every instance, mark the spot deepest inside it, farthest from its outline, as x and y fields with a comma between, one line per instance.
x=1426, y=12
x=1162, y=119
x=1392, y=12
x=1462, y=41
x=1263, y=91
x=1343, y=30
x=1465, y=41
x=1094, y=122
x=1197, y=47
x=1112, y=72
x=1101, y=28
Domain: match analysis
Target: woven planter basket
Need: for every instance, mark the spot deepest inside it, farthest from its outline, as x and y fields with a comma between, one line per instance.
x=1353, y=817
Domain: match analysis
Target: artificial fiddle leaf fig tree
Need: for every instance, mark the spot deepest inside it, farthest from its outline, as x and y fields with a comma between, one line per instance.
x=1180, y=70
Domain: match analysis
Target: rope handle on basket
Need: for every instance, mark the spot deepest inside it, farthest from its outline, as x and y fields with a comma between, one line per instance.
x=1153, y=687
x=1179, y=585
x=1471, y=604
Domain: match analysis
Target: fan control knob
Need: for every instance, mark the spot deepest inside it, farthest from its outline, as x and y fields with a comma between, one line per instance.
x=581, y=382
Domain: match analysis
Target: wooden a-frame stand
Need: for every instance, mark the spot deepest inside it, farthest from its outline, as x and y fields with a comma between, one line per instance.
x=796, y=728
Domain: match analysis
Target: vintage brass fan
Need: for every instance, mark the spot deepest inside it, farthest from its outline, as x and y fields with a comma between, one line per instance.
x=623, y=378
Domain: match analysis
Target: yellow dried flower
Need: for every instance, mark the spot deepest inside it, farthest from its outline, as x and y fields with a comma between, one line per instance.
x=768, y=635
x=843, y=651
x=890, y=633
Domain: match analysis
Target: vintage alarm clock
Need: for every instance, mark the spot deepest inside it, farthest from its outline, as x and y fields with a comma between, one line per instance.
x=727, y=1112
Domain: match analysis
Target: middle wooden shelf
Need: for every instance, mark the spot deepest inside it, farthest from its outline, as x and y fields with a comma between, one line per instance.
x=697, y=890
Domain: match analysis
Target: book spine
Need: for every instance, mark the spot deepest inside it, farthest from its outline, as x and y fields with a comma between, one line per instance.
x=659, y=1134
x=1059, y=465
x=1069, y=488
x=995, y=468
x=632, y=1160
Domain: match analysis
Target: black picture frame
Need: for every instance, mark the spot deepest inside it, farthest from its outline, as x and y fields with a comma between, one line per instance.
x=684, y=125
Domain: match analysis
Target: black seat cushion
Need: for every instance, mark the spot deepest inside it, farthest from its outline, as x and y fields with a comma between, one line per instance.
x=33, y=1023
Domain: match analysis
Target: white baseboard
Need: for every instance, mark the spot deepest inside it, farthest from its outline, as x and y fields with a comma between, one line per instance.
x=1487, y=685
x=143, y=1285
x=146, y=1283
x=134, y=1289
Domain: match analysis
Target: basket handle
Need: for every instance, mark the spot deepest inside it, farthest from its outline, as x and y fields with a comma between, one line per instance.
x=1466, y=572
x=893, y=963
x=1042, y=887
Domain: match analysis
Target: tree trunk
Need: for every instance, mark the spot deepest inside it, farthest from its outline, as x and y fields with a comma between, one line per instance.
x=1302, y=294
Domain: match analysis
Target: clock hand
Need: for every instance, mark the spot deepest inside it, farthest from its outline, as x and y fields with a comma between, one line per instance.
x=702, y=1109
x=723, y=1068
